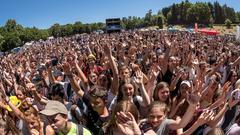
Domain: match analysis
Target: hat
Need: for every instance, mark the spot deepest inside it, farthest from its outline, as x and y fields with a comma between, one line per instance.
x=91, y=56
x=186, y=82
x=53, y=108
x=15, y=101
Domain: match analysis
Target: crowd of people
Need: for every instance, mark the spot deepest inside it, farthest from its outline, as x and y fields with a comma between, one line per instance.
x=128, y=83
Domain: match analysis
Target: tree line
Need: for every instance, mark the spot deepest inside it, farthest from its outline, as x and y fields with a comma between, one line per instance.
x=185, y=13
x=14, y=35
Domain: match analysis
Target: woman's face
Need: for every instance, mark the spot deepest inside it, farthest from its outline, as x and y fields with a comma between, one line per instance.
x=234, y=77
x=20, y=95
x=163, y=94
x=184, y=89
x=156, y=117
x=102, y=81
x=33, y=123
x=128, y=90
x=185, y=75
x=161, y=59
x=93, y=78
x=124, y=74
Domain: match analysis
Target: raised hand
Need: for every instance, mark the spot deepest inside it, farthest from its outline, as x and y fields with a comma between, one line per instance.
x=205, y=117
x=107, y=49
x=30, y=87
x=226, y=87
x=127, y=124
x=139, y=78
x=155, y=71
x=194, y=97
x=66, y=68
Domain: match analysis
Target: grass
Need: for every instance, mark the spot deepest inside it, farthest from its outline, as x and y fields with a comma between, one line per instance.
x=224, y=30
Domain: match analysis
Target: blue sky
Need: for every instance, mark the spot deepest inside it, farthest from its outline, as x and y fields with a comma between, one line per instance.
x=44, y=13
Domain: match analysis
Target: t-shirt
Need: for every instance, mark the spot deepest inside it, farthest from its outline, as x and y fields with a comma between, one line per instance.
x=163, y=129
x=73, y=131
x=94, y=121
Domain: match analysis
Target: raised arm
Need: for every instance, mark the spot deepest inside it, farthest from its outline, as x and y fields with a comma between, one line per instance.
x=175, y=81
x=221, y=113
x=113, y=65
x=16, y=111
x=152, y=81
x=193, y=100
x=73, y=81
x=50, y=74
x=139, y=82
x=80, y=72
x=31, y=87
x=204, y=118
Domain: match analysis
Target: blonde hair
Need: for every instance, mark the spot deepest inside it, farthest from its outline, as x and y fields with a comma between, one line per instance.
x=216, y=131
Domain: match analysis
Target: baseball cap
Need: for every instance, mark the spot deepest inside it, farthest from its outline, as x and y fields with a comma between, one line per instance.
x=53, y=108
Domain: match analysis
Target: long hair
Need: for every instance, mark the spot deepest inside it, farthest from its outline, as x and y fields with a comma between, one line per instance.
x=124, y=106
x=121, y=87
x=159, y=87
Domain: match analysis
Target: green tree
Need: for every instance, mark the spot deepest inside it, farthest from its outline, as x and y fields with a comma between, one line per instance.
x=228, y=23
x=219, y=13
x=55, y=30
x=165, y=11
x=229, y=13
x=237, y=17
x=211, y=7
x=78, y=27
x=160, y=21
x=11, y=41
x=148, y=18
x=66, y=30
x=1, y=42
x=199, y=13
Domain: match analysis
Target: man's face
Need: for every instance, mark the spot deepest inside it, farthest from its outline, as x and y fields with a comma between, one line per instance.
x=97, y=103
x=57, y=122
x=124, y=74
